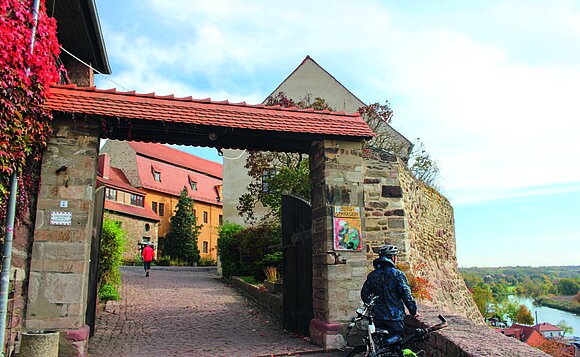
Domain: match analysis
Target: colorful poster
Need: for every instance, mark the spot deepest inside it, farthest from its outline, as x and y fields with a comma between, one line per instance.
x=347, y=228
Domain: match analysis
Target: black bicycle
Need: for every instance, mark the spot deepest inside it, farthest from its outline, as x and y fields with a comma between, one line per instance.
x=378, y=342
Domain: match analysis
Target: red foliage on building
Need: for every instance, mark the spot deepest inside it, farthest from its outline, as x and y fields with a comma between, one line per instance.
x=25, y=78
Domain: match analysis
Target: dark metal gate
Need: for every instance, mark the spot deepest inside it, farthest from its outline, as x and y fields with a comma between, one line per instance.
x=297, y=248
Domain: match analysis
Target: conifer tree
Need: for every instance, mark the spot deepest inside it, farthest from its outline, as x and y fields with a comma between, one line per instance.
x=181, y=241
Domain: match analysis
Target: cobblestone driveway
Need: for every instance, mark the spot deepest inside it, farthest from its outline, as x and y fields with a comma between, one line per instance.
x=186, y=312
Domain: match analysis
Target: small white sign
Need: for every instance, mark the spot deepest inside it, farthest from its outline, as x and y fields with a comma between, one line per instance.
x=60, y=218
x=63, y=204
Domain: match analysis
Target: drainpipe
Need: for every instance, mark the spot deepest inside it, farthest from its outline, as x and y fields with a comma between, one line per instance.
x=7, y=258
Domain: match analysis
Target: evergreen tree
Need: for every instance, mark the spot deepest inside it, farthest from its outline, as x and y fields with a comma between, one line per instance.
x=181, y=241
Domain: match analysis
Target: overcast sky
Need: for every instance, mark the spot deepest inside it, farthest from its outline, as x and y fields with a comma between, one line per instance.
x=491, y=87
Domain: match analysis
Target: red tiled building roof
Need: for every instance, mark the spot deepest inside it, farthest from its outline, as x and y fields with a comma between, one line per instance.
x=174, y=178
x=118, y=180
x=545, y=326
x=143, y=212
x=92, y=101
x=177, y=157
x=525, y=334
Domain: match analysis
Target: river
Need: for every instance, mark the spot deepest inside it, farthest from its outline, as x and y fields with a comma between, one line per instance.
x=547, y=314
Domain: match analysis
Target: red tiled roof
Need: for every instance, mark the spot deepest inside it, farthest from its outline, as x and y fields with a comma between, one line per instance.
x=545, y=326
x=174, y=178
x=144, y=212
x=177, y=157
x=118, y=180
x=527, y=334
x=525, y=331
x=89, y=100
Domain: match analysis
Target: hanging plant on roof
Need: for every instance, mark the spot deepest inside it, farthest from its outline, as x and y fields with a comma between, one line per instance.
x=25, y=78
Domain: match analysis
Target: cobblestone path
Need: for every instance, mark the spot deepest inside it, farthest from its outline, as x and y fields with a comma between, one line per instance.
x=186, y=312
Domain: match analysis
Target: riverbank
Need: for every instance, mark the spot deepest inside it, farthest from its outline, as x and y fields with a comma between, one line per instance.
x=558, y=303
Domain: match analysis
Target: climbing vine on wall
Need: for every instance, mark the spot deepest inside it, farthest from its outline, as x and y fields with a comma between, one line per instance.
x=25, y=78
x=420, y=287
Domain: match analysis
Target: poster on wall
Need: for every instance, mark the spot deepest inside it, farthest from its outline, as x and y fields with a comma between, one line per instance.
x=347, y=228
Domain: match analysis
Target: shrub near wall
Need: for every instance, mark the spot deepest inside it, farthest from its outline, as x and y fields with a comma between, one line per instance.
x=245, y=251
x=257, y=243
x=229, y=248
x=110, y=260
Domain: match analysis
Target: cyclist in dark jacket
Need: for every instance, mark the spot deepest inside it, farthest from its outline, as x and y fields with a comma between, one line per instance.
x=392, y=288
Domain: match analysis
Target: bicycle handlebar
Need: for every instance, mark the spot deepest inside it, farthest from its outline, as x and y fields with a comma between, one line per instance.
x=419, y=333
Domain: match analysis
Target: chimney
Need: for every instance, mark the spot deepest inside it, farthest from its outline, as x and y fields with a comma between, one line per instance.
x=104, y=167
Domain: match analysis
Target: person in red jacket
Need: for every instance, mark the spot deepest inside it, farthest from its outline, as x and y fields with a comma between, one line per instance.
x=148, y=255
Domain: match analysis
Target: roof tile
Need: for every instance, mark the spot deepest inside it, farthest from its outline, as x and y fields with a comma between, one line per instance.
x=144, y=212
x=110, y=102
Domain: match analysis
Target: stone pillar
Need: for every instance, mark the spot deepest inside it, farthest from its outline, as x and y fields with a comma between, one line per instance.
x=59, y=266
x=336, y=180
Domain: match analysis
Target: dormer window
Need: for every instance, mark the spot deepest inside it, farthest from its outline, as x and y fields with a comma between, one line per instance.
x=217, y=192
x=157, y=176
x=192, y=182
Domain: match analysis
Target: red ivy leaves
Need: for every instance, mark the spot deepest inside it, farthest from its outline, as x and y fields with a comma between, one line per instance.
x=384, y=112
x=25, y=78
x=24, y=82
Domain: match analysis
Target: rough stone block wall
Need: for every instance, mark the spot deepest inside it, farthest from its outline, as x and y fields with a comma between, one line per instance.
x=464, y=338
x=80, y=74
x=432, y=247
x=336, y=180
x=384, y=207
x=403, y=211
x=19, y=271
x=58, y=279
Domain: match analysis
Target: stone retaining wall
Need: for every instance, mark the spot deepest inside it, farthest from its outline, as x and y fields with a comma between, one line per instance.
x=432, y=247
x=271, y=303
x=402, y=210
x=464, y=338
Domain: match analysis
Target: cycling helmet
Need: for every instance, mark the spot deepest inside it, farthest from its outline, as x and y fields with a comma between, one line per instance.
x=388, y=250
x=382, y=261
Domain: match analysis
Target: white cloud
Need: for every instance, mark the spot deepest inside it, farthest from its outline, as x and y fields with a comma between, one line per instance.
x=489, y=194
x=490, y=120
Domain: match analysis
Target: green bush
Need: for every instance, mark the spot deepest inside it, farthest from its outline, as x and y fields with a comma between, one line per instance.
x=229, y=248
x=108, y=292
x=206, y=262
x=255, y=244
x=243, y=251
x=177, y=262
x=110, y=258
x=163, y=261
x=273, y=260
x=138, y=261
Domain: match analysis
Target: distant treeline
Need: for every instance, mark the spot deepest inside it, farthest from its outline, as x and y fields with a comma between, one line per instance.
x=531, y=281
x=490, y=286
x=558, y=304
